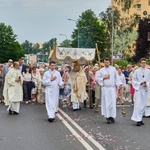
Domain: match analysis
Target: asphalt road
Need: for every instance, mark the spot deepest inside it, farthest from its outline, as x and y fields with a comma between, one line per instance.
x=30, y=130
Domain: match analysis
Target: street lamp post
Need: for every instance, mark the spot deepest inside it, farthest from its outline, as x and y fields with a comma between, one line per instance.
x=78, y=31
x=112, y=35
x=149, y=34
x=64, y=35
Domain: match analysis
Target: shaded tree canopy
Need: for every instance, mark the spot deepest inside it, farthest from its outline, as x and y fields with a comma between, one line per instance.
x=9, y=47
x=143, y=45
x=127, y=4
x=90, y=31
x=27, y=47
x=123, y=27
x=65, y=43
x=30, y=48
x=47, y=46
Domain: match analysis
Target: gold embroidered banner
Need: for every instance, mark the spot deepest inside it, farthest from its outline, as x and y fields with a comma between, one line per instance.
x=70, y=55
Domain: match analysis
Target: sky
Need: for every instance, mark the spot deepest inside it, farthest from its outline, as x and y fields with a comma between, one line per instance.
x=39, y=21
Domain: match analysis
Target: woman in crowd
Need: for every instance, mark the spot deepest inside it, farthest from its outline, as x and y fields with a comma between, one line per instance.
x=88, y=73
x=127, y=72
x=94, y=83
x=1, y=83
x=37, y=80
x=63, y=75
x=27, y=85
x=41, y=93
x=122, y=88
x=130, y=83
x=67, y=87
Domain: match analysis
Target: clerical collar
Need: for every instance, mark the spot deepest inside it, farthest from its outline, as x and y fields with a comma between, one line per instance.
x=107, y=67
x=51, y=71
x=143, y=71
x=143, y=68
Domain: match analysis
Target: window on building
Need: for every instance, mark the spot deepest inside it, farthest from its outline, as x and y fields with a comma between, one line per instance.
x=139, y=6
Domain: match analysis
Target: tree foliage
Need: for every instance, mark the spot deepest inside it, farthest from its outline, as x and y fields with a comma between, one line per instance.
x=90, y=31
x=122, y=63
x=30, y=48
x=123, y=27
x=143, y=45
x=47, y=46
x=42, y=51
x=27, y=47
x=126, y=4
x=66, y=43
x=9, y=47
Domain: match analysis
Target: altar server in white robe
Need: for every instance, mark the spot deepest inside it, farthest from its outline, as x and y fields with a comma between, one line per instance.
x=141, y=84
x=52, y=80
x=108, y=78
x=12, y=92
x=147, y=110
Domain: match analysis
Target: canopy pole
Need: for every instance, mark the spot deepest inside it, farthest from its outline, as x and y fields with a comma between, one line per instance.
x=89, y=89
x=98, y=56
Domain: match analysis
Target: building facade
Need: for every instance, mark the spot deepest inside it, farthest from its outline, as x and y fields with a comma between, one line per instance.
x=140, y=7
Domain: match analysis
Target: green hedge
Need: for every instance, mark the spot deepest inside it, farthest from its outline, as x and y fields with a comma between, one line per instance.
x=148, y=62
x=122, y=63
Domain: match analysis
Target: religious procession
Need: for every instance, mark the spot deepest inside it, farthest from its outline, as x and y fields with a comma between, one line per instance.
x=77, y=84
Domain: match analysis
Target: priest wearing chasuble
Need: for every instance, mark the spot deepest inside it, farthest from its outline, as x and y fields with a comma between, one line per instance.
x=77, y=80
x=12, y=92
x=141, y=84
x=108, y=78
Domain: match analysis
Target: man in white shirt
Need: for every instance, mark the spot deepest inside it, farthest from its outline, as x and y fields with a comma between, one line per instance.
x=108, y=78
x=7, y=67
x=52, y=80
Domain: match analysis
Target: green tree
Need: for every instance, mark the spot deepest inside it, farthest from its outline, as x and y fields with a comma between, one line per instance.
x=36, y=48
x=143, y=45
x=123, y=27
x=106, y=17
x=90, y=31
x=27, y=47
x=126, y=4
x=47, y=46
x=9, y=47
x=65, y=43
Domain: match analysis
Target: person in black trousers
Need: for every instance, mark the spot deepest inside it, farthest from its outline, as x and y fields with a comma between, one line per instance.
x=27, y=77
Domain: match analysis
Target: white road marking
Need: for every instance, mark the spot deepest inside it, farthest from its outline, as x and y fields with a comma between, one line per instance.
x=118, y=106
x=99, y=146
x=83, y=142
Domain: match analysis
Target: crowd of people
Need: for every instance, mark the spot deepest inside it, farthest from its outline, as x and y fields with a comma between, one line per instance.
x=77, y=86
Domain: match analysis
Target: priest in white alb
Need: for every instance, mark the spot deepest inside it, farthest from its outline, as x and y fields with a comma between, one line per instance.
x=52, y=81
x=12, y=92
x=108, y=78
x=141, y=84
